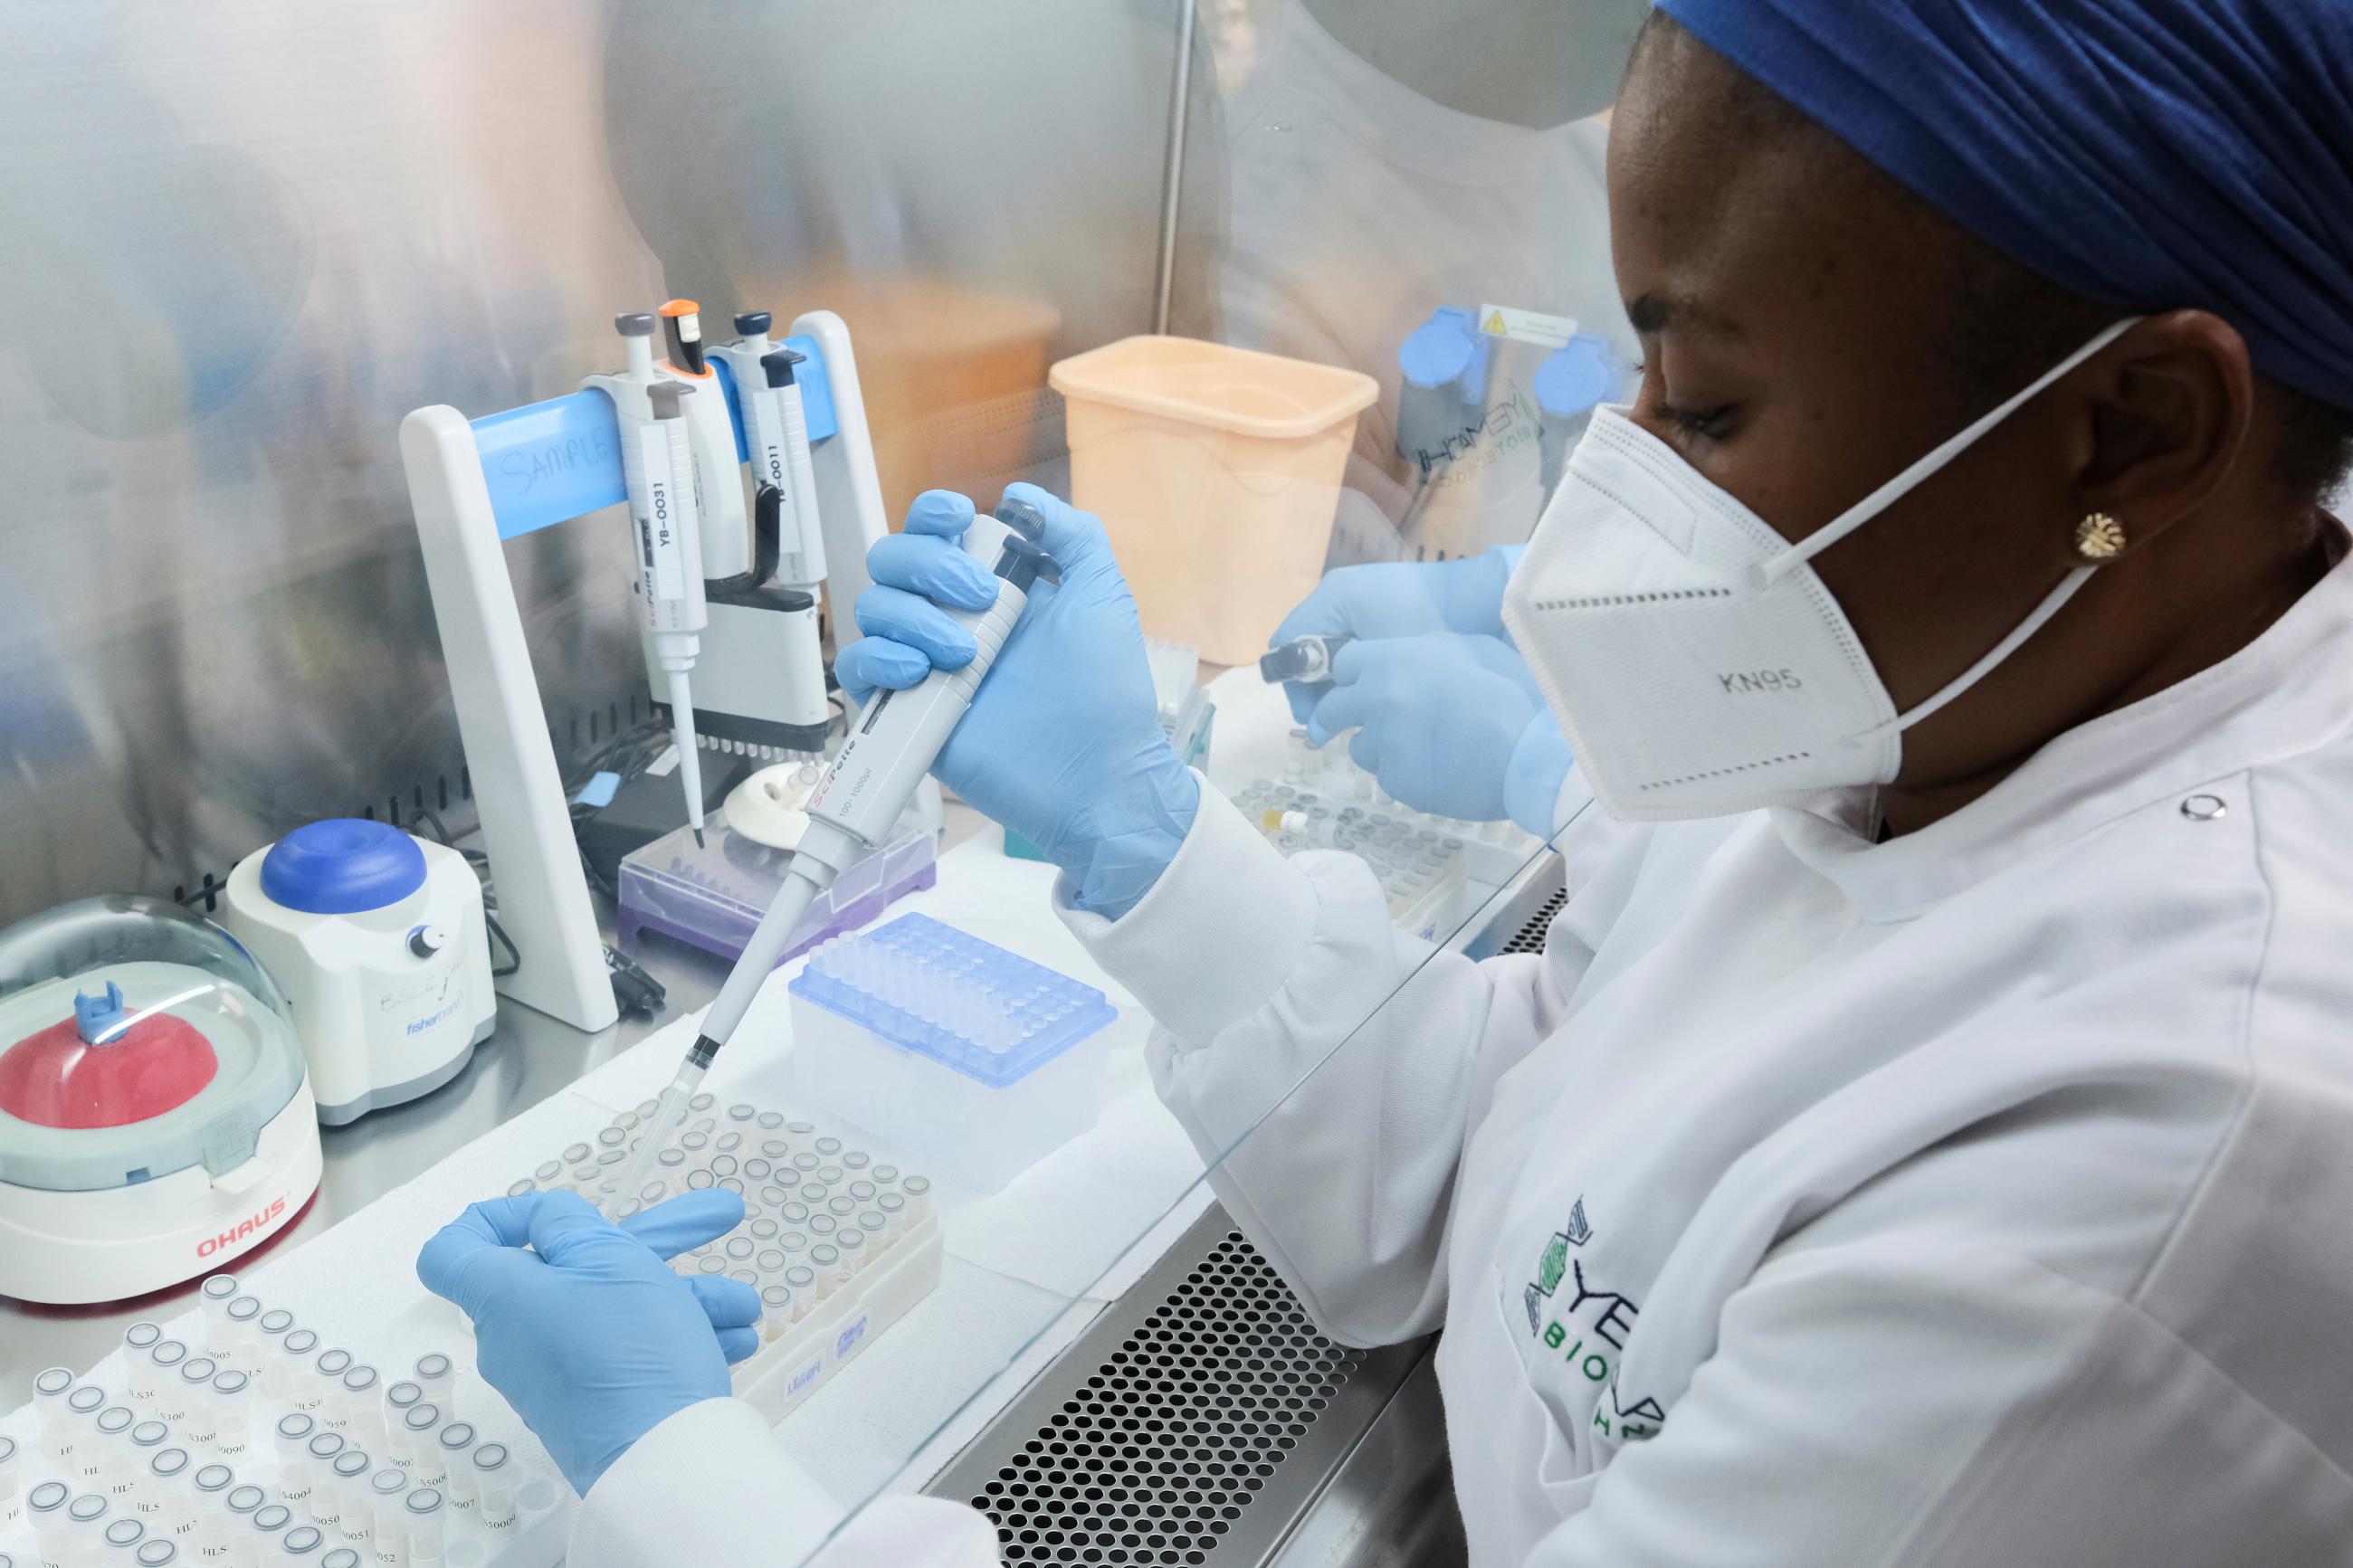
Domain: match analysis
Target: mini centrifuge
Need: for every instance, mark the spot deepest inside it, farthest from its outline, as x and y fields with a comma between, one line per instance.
x=155, y=1118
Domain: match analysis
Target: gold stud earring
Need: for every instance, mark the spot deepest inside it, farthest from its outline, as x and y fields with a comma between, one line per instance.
x=2099, y=538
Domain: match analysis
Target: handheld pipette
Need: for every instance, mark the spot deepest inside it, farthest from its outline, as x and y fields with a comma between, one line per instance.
x=658, y=470
x=726, y=528
x=855, y=805
x=775, y=429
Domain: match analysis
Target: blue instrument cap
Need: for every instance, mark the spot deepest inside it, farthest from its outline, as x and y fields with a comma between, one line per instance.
x=341, y=866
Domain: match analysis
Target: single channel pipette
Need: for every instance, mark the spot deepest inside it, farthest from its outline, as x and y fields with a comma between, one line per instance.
x=665, y=514
x=854, y=807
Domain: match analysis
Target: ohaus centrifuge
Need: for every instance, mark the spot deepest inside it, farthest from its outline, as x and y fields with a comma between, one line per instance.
x=155, y=1118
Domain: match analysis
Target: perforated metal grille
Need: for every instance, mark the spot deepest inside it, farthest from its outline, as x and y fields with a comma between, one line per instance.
x=1531, y=936
x=1154, y=1458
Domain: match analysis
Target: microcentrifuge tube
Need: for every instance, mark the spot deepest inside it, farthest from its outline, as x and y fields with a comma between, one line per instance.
x=494, y=1484
x=428, y=1526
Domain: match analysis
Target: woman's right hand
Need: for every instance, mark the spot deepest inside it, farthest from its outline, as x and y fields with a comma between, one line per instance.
x=1063, y=742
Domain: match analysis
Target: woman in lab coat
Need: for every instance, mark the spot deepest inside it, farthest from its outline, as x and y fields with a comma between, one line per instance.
x=1926, y=1135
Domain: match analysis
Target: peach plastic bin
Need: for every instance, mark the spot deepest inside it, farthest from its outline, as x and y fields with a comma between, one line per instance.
x=1216, y=471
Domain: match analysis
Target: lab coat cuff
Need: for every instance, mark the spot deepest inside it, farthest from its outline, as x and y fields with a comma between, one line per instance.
x=1217, y=936
x=1534, y=779
x=709, y=1484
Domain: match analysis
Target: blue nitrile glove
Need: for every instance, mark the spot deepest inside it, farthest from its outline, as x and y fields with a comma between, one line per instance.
x=588, y=1334
x=1400, y=599
x=1063, y=742
x=1451, y=725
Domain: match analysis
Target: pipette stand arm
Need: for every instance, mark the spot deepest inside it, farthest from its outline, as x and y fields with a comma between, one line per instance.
x=518, y=790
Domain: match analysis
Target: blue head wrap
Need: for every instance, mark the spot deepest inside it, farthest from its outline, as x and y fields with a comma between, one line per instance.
x=2156, y=154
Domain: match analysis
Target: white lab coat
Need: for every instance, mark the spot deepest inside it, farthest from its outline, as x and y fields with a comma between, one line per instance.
x=1976, y=1197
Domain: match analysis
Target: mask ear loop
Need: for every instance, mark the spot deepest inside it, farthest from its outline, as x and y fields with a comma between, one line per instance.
x=2052, y=603
x=1927, y=467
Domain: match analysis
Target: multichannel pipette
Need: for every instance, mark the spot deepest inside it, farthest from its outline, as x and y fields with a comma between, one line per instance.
x=857, y=802
x=658, y=469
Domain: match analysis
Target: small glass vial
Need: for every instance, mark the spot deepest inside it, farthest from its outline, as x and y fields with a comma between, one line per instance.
x=494, y=1484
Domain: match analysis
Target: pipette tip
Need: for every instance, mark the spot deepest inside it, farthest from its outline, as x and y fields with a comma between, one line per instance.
x=698, y=838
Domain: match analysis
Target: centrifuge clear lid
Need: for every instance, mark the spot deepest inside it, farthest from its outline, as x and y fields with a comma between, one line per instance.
x=136, y=1039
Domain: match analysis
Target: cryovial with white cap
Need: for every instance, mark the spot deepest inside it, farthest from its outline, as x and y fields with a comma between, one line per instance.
x=147, y=1440
x=437, y=1374
x=10, y=1464
x=428, y=1526
x=86, y=1518
x=301, y=1545
x=341, y=1557
x=327, y=1381
x=288, y=1378
x=198, y=1421
x=269, y=1333
x=455, y=1442
x=363, y=1405
x=398, y=1398
x=116, y=1457
x=163, y=1491
x=156, y=1553
x=138, y=1370
x=51, y=1387
x=354, y=1514
x=325, y=1448
x=45, y=1506
x=494, y=1483
x=213, y=1483
x=386, y=1488
x=232, y=1403
x=171, y=1395
x=214, y=1295
x=418, y=1427
x=270, y=1522
x=82, y=1408
x=120, y=1535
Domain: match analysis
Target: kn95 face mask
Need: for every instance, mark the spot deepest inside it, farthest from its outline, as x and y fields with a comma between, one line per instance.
x=1697, y=664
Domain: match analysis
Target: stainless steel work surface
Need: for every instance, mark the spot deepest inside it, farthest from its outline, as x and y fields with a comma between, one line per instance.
x=1199, y=1420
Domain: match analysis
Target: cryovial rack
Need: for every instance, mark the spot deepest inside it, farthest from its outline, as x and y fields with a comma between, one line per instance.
x=941, y=1041
x=233, y=1437
x=838, y=1243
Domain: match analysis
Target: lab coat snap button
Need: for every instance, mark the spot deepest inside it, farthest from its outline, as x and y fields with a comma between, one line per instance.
x=2203, y=808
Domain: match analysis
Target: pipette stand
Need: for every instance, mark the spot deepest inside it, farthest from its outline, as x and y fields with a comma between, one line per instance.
x=476, y=484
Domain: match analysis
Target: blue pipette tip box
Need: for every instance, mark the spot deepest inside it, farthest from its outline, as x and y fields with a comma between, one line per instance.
x=999, y=1015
